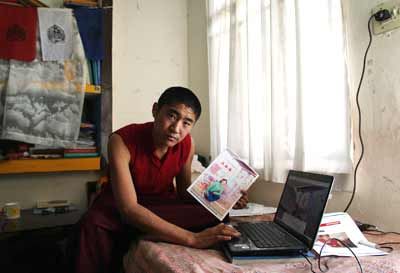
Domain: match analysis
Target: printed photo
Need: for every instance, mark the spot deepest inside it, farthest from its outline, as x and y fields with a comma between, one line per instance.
x=219, y=187
x=329, y=239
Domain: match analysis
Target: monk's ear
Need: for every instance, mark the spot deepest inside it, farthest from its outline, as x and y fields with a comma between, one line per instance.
x=155, y=109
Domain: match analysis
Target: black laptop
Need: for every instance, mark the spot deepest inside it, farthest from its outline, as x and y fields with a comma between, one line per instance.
x=296, y=222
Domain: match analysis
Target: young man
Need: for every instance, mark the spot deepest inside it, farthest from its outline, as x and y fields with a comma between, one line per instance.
x=144, y=159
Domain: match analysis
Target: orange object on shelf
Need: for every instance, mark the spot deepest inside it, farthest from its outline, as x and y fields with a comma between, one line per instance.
x=49, y=165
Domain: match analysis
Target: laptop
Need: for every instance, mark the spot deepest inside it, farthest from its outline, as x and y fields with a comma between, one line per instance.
x=296, y=222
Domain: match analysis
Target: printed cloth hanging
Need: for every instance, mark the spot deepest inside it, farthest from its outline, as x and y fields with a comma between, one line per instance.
x=18, y=33
x=4, y=71
x=43, y=101
x=90, y=23
x=55, y=26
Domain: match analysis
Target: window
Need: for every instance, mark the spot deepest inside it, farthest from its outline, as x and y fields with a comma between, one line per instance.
x=278, y=89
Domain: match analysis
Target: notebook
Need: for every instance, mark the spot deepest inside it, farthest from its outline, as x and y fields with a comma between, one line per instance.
x=296, y=222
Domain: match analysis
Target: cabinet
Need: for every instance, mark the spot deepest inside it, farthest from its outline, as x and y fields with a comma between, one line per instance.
x=37, y=243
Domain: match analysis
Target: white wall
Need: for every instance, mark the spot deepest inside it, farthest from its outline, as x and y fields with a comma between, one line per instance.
x=149, y=55
x=198, y=71
x=27, y=189
x=377, y=199
x=378, y=192
x=157, y=44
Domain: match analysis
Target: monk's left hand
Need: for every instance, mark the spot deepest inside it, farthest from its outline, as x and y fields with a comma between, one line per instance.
x=242, y=202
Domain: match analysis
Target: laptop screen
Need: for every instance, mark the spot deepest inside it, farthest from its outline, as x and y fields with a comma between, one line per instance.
x=302, y=204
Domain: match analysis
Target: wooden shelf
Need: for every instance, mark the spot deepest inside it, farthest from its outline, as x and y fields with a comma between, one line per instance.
x=92, y=89
x=49, y=165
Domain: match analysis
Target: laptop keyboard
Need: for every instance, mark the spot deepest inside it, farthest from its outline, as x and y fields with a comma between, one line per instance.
x=266, y=234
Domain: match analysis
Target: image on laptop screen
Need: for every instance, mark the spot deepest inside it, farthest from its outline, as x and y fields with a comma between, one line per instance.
x=302, y=205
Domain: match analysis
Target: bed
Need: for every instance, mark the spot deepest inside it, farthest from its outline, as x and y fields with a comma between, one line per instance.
x=158, y=257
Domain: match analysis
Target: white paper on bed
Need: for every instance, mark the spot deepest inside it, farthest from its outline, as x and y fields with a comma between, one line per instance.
x=341, y=226
x=227, y=173
x=252, y=209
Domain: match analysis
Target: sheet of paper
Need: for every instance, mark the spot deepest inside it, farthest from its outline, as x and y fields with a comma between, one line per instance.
x=251, y=210
x=341, y=226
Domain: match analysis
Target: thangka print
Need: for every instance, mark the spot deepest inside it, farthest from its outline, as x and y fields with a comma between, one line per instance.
x=55, y=27
x=44, y=100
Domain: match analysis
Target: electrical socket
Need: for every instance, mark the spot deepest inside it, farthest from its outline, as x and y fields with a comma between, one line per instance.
x=389, y=24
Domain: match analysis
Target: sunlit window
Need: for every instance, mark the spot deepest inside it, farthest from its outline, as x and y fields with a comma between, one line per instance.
x=278, y=89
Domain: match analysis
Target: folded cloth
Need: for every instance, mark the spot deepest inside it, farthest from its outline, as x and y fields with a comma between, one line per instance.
x=55, y=26
x=18, y=33
x=90, y=24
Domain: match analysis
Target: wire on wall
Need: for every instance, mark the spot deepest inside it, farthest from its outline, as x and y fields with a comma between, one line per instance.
x=359, y=116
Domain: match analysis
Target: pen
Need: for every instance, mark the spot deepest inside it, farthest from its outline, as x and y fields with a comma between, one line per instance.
x=366, y=243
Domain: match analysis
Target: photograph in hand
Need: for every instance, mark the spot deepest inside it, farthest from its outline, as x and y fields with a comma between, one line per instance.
x=219, y=186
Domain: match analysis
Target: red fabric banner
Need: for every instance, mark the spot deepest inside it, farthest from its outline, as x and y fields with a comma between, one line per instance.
x=18, y=33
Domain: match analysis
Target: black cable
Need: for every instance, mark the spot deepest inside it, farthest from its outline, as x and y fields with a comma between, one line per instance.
x=389, y=248
x=359, y=116
x=380, y=232
x=319, y=258
x=377, y=232
x=308, y=260
x=343, y=244
x=389, y=243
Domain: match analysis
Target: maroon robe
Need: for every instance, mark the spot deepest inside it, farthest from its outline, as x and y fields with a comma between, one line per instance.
x=104, y=237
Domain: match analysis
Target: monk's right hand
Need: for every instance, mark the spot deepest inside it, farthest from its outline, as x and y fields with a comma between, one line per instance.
x=213, y=235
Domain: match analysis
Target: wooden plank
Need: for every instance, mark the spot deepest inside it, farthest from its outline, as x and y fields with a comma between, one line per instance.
x=49, y=165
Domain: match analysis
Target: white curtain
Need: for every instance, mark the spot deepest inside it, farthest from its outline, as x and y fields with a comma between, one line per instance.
x=277, y=81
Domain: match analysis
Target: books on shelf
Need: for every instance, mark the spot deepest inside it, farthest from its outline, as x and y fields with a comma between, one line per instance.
x=77, y=155
x=52, y=203
x=44, y=152
x=87, y=3
x=46, y=156
x=53, y=210
x=94, y=72
x=86, y=138
x=41, y=152
x=87, y=125
x=53, y=206
x=80, y=150
x=32, y=3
